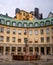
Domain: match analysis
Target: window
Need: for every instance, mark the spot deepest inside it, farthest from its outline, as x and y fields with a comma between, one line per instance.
x=2, y=29
x=42, y=31
x=2, y=38
x=47, y=30
x=7, y=39
x=30, y=49
x=13, y=31
x=52, y=21
x=19, y=49
x=25, y=24
x=24, y=49
x=52, y=38
x=14, y=24
x=25, y=40
x=41, y=23
x=36, y=32
x=8, y=22
x=19, y=40
x=13, y=48
x=19, y=32
x=36, y=24
x=30, y=41
x=48, y=39
x=2, y=21
x=19, y=24
x=25, y=32
x=30, y=32
x=52, y=30
x=42, y=39
x=47, y=22
x=31, y=25
x=8, y=30
x=13, y=39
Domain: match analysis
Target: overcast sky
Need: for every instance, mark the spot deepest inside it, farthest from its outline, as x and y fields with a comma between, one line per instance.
x=9, y=6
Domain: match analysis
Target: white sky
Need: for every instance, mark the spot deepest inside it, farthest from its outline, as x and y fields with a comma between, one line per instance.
x=9, y=6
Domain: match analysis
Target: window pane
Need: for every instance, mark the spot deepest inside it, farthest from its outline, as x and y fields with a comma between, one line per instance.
x=36, y=32
x=36, y=24
x=25, y=25
x=30, y=32
x=14, y=24
x=2, y=29
x=19, y=24
x=19, y=31
x=42, y=24
x=2, y=21
x=13, y=31
x=42, y=31
x=8, y=22
x=31, y=25
x=2, y=38
x=47, y=30
x=8, y=30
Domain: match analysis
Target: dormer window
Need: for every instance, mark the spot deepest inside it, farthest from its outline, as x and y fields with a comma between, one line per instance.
x=47, y=22
x=52, y=21
x=41, y=23
x=36, y=24
x=25, y=24
x=19, y=24
x=8, y=22
x=14, y=24
x=2, y=21
x=31, y=25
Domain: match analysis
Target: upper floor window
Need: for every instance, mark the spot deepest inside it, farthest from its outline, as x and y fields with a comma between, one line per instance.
x=47, y=22
x=30, y=49
x=8, y=30
x=7, y=39
x=19, y=49
x=52, y=21
x=25, y=24
x=2, y=29
x=19, y=24
x=41, y=23
x=2, y=38
x=13, y=31
x=8, y=22
x=19, y=32
x=25, y=32
x=30, y=24
x=42, y=39
x=47, y=30
x=14, y=24
x=36, y=24
x=30, y=32
x=42, y=31
x=2, y=21
x=48, y=39
x=19, y=40
x=13, y=39
x=36, y=32
x=52, y=30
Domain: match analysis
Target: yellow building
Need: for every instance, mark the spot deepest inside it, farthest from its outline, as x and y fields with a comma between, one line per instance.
x=13, y=34
x=23, y=15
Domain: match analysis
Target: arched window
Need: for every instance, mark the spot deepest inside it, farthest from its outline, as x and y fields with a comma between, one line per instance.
x=19, y=24
x=52, y=21
x=8, y=22
x=48, y=22
x=36, y=24
x=25, y=24
x=14, y=23
x=42, y=23
x=2, y=21
x=31, y=24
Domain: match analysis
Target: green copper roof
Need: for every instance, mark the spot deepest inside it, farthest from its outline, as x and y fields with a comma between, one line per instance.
x=25, y=21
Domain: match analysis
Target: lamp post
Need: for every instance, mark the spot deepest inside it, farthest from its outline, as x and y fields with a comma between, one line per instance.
x=26, y=46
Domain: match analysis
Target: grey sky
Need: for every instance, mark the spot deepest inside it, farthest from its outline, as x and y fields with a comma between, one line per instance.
x=9, y=6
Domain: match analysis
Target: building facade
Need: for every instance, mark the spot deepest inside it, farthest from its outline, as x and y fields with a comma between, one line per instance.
x=13, y=34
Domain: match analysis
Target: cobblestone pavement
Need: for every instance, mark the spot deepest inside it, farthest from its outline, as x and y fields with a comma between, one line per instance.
x=40, y=62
